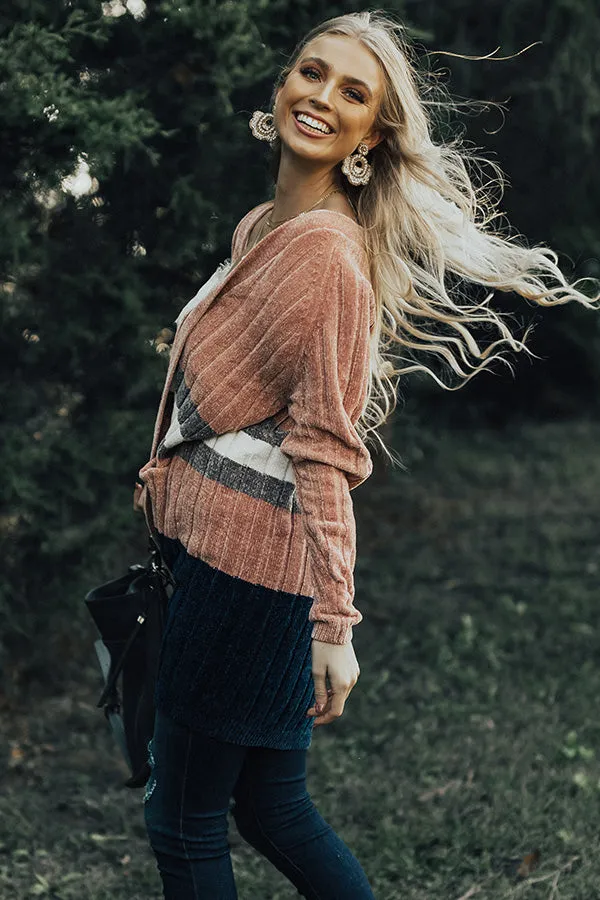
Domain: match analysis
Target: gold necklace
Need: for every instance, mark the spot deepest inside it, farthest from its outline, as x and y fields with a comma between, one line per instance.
x=270, y=224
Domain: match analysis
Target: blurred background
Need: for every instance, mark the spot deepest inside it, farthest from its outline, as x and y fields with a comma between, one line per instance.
x=126, y=161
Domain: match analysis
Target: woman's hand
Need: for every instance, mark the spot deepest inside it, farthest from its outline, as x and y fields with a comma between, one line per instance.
x=338, y=661
x=138, y=497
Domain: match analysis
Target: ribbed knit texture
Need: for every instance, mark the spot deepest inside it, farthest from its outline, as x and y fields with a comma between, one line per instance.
x=236, y=657
x=268, y=375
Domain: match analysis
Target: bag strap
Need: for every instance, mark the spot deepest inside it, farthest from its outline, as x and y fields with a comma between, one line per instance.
x=157, y=558
x=157, y=568
x=110, y=684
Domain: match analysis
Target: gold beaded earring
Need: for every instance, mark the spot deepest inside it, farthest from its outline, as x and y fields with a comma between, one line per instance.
x=355, y=167
x=262, y=125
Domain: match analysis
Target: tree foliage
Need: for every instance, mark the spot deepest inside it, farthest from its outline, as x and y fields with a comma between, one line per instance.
x=126, y=163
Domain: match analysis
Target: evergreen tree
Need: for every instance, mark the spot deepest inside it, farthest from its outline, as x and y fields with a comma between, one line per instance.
x=126, y=162
x=121, y=185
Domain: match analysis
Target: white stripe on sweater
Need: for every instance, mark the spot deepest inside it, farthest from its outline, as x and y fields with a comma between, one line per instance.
x=238, y=446
x=173, y=435
x=253, y=453
x=217, y=276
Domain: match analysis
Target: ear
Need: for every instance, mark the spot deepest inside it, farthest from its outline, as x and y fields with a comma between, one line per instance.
x=372, y=139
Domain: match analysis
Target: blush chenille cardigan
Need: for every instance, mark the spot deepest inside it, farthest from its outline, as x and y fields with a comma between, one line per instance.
x=255, y=449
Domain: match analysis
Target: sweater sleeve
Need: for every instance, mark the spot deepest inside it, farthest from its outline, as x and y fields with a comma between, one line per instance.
x=329, y=459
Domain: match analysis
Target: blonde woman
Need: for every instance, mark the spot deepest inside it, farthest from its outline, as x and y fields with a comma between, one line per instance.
x=279, y=372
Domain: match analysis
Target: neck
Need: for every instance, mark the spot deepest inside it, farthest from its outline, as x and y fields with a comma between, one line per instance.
x=299, y=185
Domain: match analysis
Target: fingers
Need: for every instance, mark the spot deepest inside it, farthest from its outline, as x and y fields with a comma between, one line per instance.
x=137, y=498
x=338, y=663
x=321, y=693
x=332, y=709
x=313, y=711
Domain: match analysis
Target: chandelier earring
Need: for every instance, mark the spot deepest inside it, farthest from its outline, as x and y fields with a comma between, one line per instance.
x=355, y=166
x=262, y=126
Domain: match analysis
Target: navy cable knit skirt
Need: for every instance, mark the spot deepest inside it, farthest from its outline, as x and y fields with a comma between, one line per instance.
x=235, y=660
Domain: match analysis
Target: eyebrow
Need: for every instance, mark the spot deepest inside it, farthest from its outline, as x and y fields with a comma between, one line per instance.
x=349, y=78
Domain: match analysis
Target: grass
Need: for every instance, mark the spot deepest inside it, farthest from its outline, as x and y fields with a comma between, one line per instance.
x=469, y=740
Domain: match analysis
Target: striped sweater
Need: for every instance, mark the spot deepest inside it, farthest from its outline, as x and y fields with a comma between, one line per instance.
x=255, y=449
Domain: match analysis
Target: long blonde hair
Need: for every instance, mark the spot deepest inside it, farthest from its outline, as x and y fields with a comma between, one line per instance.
x=424, y=218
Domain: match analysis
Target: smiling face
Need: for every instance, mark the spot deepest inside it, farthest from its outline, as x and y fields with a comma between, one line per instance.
x=338, y=84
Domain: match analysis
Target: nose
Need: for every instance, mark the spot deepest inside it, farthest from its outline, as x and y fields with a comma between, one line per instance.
x=322, y=98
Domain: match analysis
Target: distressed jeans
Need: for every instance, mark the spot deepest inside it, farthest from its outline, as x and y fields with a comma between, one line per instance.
x=186, y=806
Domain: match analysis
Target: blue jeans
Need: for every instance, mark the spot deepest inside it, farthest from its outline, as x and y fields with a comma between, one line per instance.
x=186, y=806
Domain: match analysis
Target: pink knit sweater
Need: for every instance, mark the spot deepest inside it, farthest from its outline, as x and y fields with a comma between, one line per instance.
x=255, y=449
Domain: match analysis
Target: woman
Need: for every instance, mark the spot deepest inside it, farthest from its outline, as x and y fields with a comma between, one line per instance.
x=277, y=376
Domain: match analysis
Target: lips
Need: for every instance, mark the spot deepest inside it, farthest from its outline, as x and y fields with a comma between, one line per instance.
x=296, y=112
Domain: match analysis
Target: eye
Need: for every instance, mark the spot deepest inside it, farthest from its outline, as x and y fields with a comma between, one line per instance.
x=307, y=70
x=357, y=94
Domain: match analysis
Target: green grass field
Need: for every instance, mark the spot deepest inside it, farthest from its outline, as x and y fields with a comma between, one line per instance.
x=470, y=739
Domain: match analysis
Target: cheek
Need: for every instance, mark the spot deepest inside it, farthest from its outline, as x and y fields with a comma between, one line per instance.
x=294, y=86
x=353, y=128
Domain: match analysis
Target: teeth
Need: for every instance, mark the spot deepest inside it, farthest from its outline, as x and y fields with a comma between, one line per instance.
x=314, y=123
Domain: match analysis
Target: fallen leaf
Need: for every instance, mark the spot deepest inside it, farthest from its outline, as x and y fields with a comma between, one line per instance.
x=528, y=864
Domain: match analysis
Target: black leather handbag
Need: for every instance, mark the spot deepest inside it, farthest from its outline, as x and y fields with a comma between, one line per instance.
x=130, y=614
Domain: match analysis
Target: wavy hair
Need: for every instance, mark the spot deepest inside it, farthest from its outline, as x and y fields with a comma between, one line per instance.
x=426, y=221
